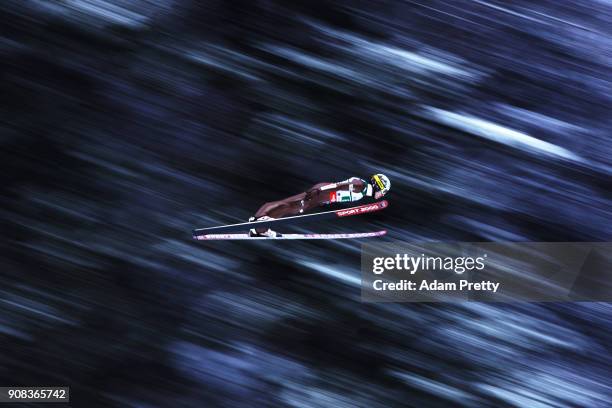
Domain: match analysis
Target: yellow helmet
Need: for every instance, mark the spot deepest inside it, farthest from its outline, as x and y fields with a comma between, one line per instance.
x=380, y=183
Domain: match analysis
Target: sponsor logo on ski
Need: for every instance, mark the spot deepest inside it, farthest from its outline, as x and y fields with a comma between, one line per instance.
x=358, y=210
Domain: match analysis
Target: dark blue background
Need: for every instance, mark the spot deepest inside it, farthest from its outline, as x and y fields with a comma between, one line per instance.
x=125, y=124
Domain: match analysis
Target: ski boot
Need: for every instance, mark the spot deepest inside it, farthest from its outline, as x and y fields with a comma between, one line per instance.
x=269, y=233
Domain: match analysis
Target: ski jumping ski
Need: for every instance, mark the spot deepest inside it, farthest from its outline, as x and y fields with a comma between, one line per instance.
x=223, y=232
x=213, y=237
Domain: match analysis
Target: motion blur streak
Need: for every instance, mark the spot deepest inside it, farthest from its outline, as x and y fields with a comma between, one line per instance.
x=125, y=124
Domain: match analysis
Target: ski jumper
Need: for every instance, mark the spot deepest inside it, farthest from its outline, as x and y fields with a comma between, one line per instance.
x=350, y=190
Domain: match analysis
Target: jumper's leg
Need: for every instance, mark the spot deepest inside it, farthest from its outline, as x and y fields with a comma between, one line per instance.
x=282, y=208
x=278, y=209
x=293, y=205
